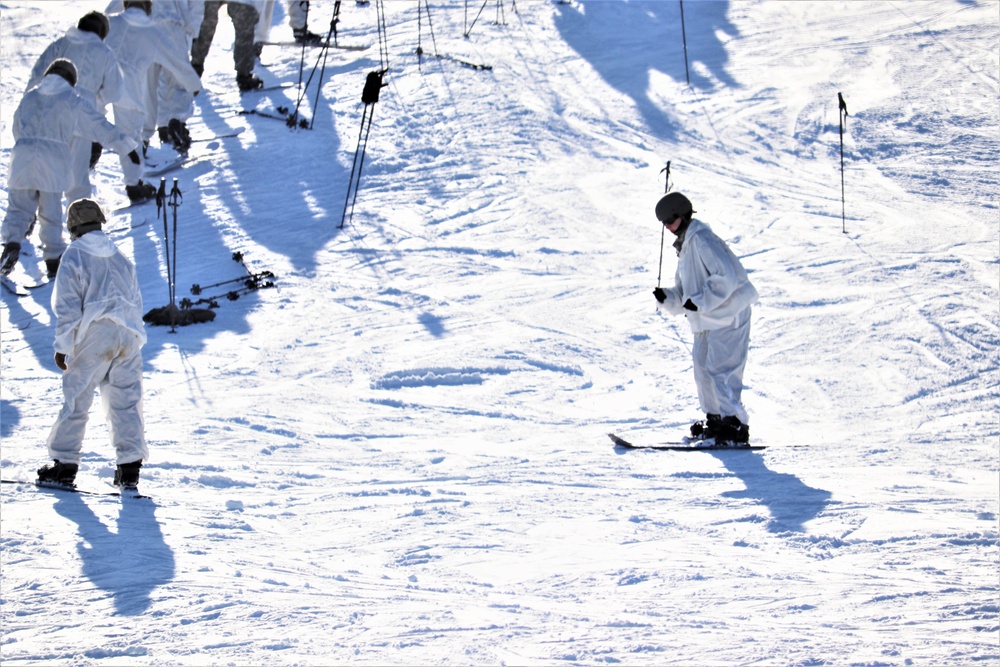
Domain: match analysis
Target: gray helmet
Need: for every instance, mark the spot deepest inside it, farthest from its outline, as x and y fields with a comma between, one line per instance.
x=64, y=68
x=84, y=215
x=672, y=205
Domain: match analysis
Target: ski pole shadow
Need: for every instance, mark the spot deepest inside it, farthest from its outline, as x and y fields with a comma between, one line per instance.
x=128, y=563
x=790, y=501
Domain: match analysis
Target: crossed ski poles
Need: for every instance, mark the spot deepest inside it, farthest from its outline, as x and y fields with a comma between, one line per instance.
x=293, y=119
x=251, y=282
x=163, y=201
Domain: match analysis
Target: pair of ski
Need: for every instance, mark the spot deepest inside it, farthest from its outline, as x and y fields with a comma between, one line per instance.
x=693, y=446
x=182, y=159
x=118, y=492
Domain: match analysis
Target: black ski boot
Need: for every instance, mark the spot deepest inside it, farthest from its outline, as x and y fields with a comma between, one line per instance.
x=58, y=473
x=11, y=252
x=304, y=36
x=127, y=475
x=706, y=428
x=732, y=431
x=140, y=192
x=52, y=267
x=248, y=82
x=179, y=135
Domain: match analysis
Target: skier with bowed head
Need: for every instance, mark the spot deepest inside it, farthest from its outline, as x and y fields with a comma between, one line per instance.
x=713, y=291
x=98, y=345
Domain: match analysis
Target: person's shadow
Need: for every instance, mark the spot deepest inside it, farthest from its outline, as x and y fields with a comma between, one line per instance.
x=790, y=501
x=128, y=563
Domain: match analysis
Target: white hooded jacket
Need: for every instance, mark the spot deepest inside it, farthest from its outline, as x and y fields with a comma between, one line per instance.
x=712, y=277
x=45, y=122
x=138, y=43
x=99, y=80
x=95, y=281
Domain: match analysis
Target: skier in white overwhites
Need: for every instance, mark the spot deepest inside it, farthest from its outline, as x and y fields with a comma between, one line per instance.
x=98, y=344
x=139, y=43
x=712, y=289
x=45, y=123
x=99, y=81
x=169, y=105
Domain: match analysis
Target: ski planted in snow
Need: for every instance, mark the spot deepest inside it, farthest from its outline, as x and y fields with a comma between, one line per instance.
x=21, y=289
x=694, y=446
x=52, y=486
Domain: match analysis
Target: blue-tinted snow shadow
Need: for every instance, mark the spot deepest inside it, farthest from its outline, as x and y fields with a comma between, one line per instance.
x=127, y=563
x=624, y=41
x=789, y=500
x=288, y=190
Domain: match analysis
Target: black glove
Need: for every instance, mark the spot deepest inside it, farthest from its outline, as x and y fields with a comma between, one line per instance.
x=660, y=295
x=134, y=157
x=689, y=305
x=95, y=153
x=11, y=251
x=61, y=361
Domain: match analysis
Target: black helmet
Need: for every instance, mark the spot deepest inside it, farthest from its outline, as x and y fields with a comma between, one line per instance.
x=84, y=215
x=672, y=205
x=64, y=68
x=95, y=22
x=144, y=5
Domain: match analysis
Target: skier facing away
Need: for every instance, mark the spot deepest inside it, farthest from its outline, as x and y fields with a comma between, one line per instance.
x=713, y=291
x=99, y=338
x=45, y=123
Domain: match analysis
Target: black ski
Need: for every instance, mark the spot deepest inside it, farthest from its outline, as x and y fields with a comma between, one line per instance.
x=682, y=447
x=346, y=47
x=120, y=493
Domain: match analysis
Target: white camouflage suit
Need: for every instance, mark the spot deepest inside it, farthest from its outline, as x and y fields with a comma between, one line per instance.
x=98, y=308
x=49, y=117
x=99, y=81
x=712, y=277
x=180, y=21
x=139, y=43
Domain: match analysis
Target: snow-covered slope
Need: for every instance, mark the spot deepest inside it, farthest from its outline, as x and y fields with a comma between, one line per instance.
x=398, y=456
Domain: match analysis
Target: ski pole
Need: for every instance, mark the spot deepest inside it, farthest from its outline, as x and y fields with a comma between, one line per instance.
x=175, y=201
x=663, y=231
x=842, y=115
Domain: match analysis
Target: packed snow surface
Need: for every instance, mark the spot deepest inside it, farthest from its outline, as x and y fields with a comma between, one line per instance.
x=398, y=455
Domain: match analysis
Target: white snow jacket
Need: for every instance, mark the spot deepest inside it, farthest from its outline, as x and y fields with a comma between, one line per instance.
x=48, y=117
x=95, y=282
x=186, y=13
x=711, y=276
x=99, y=79
x=138, y=42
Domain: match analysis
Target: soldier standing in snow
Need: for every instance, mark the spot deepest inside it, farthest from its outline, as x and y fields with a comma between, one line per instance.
x=139, y=44
x=98, y=344
x=99, y=82
x=712, y=289
x=169, y=105
x=245, y=15
x=48, y=118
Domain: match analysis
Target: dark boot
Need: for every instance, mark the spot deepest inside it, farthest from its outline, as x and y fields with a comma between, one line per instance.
x=58, y=473
x=246, y=82
x=127, y=475
x=305, y=36
x=179, y=135
x=140, y=192
x=705, y=428
x=11, y=251
x=733, y=431
x=52, y=267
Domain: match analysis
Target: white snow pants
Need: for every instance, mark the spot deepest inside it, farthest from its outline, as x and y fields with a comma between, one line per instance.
x=720, y=356
x=22, y=205
x=130, y=121
x=109, y=357
x=79, y=154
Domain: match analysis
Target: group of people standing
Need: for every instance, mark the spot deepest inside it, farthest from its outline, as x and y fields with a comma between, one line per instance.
x=145, y=59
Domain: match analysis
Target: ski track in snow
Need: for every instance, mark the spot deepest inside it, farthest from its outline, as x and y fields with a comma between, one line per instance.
x=398, y=455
